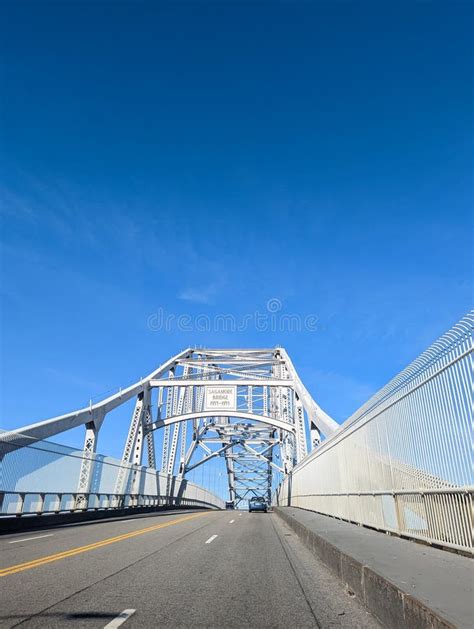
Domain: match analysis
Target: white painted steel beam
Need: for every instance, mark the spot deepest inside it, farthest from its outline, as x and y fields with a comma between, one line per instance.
x=92, y=413
x=271, y=421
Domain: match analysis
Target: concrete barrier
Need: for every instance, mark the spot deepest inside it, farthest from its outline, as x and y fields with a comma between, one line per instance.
x=30, y=523
x=444, y=597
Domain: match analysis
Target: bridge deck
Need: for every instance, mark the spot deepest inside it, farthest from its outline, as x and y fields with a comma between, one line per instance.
x=254, y=573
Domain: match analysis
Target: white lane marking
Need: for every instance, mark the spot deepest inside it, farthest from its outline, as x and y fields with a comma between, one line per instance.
x=232, y=522
x=129, y=520
x=240, y=514
x=28, y=539
x=121, y=618
x=211, y=539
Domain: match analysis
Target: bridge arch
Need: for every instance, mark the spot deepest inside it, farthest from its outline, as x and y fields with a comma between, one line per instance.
x=271, y=421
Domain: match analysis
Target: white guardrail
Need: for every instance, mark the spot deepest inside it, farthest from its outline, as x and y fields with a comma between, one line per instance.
x=42, y=477
x=403, y=462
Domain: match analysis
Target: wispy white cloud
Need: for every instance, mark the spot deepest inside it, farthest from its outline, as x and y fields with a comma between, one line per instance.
x=202, y=294
x=195, y=296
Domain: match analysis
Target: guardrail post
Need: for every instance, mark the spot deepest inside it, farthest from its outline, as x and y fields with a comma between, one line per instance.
x=40, y=507
x=81, y=502
x=20, y=504
x=400, y=511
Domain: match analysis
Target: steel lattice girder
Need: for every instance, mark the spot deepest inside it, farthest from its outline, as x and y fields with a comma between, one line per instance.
x=270, y=411
x=246, y=405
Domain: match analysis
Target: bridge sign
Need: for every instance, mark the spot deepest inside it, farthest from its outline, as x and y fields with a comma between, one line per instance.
x=220, y=398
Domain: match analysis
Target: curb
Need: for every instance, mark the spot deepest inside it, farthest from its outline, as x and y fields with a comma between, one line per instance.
x=391, y=605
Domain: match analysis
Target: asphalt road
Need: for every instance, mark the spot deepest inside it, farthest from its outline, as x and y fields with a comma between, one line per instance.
x=173, y=569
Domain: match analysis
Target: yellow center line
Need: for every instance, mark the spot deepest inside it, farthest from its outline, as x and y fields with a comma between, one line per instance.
x=4, y=572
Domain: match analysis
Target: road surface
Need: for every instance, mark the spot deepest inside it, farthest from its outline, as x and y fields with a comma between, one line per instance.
x=173, y=569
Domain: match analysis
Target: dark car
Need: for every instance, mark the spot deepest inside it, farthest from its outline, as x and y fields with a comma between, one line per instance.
x=229, y=504
x=257, y=503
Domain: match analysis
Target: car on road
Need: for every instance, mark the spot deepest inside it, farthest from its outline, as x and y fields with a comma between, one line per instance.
x=257, y=503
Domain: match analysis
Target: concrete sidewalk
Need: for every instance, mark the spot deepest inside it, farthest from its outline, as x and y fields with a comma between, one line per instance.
x=405, y=584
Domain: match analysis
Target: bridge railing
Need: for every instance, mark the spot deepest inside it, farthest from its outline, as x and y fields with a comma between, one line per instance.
x=39, y=477
x=403, y=462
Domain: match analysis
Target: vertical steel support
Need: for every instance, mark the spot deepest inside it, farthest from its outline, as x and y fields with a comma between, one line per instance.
x=150, y=440
x=133, y=446
x=167, y=429
x=87, y=463
x=265, y=400
x=315, y=436
x=90, y=445
x=229, y=460
x=178, y=406
x=188, y=406
x=174, y=445
x=301, y=446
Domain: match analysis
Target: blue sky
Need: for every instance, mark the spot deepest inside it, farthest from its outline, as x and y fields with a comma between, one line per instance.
x=205, y=158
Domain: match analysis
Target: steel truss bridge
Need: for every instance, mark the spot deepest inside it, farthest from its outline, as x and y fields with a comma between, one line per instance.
x=401, y=463
x=245, y=405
